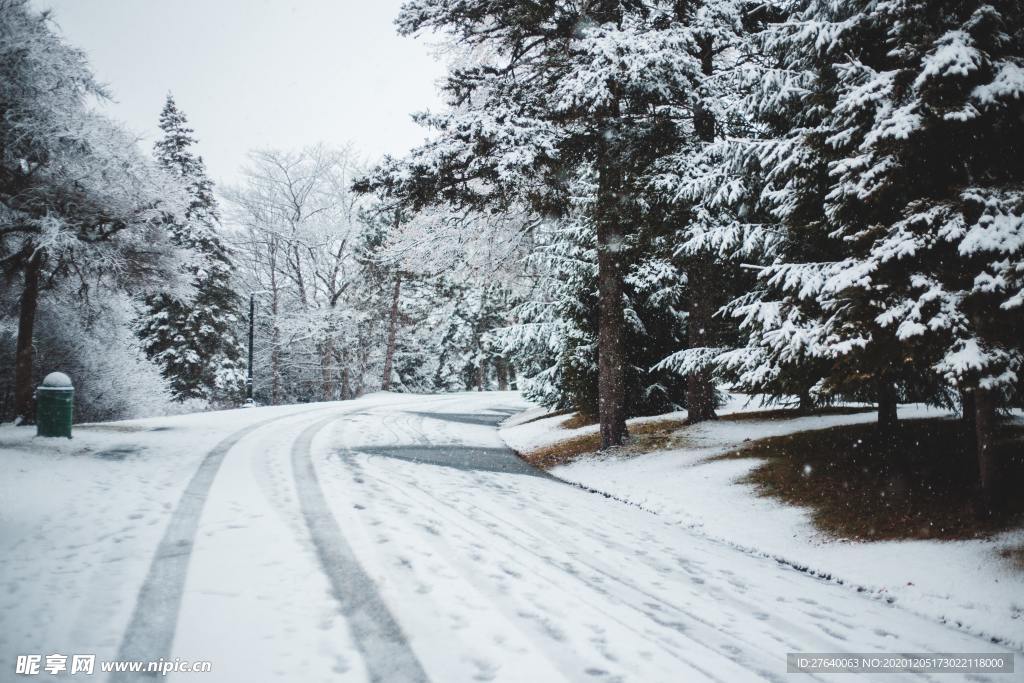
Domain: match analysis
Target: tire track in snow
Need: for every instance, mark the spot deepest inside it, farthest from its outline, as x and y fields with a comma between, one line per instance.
x=561, y=659
x=696, y=626
x=386, y=651
x=708, y=632
x=572, y=548
x=150, y=633
x=444, y=508
x=672, y=649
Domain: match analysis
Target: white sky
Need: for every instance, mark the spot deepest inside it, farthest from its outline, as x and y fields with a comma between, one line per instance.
x=259, y=73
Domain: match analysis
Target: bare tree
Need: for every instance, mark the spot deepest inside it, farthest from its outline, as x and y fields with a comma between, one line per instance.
x=297, y=228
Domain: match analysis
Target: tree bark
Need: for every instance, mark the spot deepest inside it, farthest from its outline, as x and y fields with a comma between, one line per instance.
x=887, y=403
x=346, y=389
x=389, y=355
x=326, y=370
x=988, y=463
x=806, y=403
x=513, y=381
x=700, y=389
x=611, y=387
x=703, y=117
x=501, y=371
x=967, y=409
x=24, y=401
x=275, y=351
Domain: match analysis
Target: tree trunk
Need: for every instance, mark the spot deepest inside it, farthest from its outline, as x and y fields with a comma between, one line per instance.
x=700, y=390
x=326, y=370
x=513, y=381
x=346, y=388
x=501, y=371
x=275, y=352
x=806, y=403
x=703, y=117
x=988, y=463
x=967, y=409
x=611, y=387
x=389, y=355
x=24, y=403
x=887, y=403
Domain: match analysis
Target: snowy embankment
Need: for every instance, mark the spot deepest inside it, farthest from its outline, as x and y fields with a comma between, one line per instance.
x=963, y=583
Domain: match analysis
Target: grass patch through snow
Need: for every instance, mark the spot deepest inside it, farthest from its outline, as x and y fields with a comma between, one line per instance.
x=578, y=420
x=643, y=438
x=917, y=483
x=1015, y=556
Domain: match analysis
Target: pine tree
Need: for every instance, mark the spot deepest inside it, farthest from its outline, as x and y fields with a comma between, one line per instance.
x=705, y=194
x=759, y=191
x=897, y=178
x=556, y=94
x=193, y=340
x=800, y=320
x=928, y=188
x=552, y=334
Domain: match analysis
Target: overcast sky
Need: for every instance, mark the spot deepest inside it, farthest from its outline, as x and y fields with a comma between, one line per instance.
x=259, y=73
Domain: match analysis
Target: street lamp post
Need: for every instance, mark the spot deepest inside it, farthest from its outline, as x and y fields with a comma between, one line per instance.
x=252, y=334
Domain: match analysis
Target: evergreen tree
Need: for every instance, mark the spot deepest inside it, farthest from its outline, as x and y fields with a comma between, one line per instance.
x=704, y=200
x=469, y=359
x=928, y=189
x=193, y=339
x=553, y=94
x=897, y=178
x=556, y=328
x=763, y=188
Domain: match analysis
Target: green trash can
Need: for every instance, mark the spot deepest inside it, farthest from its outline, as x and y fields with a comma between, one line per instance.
x=55, y=400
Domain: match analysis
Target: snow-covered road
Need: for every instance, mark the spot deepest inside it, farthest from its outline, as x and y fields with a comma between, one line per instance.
x=394, y=538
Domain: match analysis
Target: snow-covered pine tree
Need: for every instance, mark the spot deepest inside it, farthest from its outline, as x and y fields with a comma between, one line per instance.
x=734, y=201
x=704, y=191
x=896, y=176
x=553, y=331
x=194, y=340
x=542, y=338
x=467, y=359
x=548, y=94
x=928, y=189
x=799, y=341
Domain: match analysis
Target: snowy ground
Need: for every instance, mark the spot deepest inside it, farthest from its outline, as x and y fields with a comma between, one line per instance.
x=392, y=538
x=963, y=583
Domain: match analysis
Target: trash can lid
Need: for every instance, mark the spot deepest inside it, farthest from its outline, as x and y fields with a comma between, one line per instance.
x=57, y=379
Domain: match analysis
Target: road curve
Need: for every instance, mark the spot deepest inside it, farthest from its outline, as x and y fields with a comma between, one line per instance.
x=402, y=541
x=587, y=588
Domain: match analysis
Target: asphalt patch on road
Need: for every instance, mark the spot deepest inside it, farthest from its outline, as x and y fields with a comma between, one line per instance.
x=470, y=458
x=118, y=452
x=486, y=419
